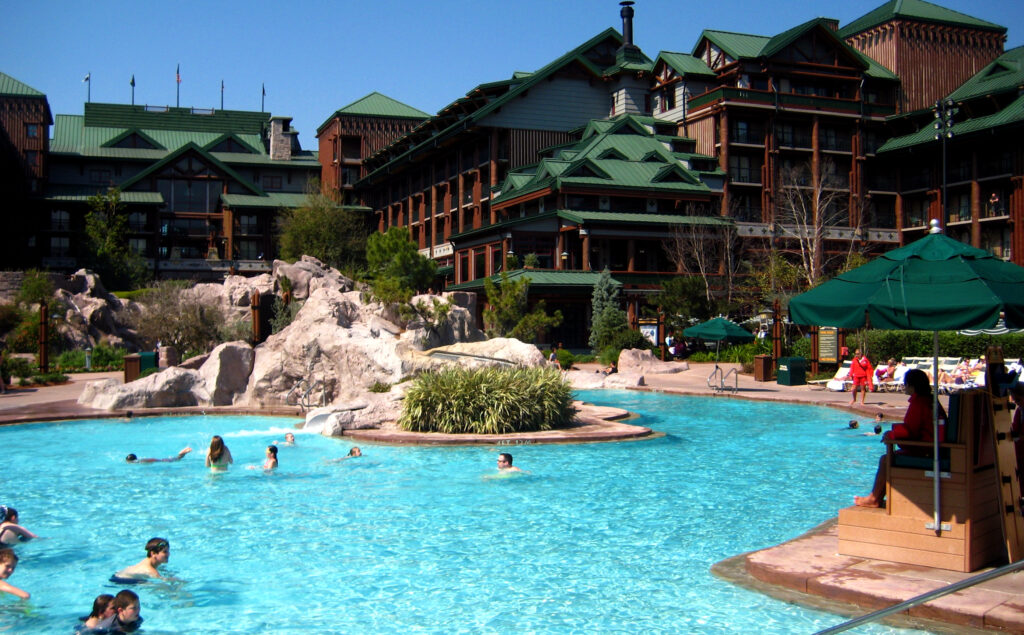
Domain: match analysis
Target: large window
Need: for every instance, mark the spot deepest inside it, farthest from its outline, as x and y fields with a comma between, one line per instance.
x=249, y=250
x=137, y=245
x=60, y=246
x=248, y=224
x=137, y=221
x=60, y=220
x=743, y=170
x=190, y=186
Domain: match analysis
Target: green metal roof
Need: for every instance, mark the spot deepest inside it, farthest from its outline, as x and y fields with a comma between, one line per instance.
x=642, y=219
x=1011, y=114
x=735, y=45
x=685, y=64
x=1005, y=73
x=11, y=86
x=171, y=157
x=377, y=105
x=541, y=278
x=271, y=199
x=82, y=194
x=918, y=10
x=123, y=116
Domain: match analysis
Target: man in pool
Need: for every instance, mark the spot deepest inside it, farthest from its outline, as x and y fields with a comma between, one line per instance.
x=158, y=552
x=505, y=463
x=289, y=439
x=131, y=458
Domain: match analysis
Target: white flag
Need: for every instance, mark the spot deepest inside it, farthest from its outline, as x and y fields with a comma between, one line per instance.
x=87, y=76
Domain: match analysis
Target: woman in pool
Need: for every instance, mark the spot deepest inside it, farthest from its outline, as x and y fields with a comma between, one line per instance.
x=102, y=611
x=218, y=456
x=11, y=533
x=916, y=426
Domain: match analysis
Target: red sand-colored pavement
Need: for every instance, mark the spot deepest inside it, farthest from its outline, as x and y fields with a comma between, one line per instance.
x=806, y=570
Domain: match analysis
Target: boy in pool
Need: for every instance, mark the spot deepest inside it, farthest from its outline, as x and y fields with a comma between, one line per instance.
x=126, y=617
x=158, y=552
x=505, y=463
x=8, y=562
x=131, y=458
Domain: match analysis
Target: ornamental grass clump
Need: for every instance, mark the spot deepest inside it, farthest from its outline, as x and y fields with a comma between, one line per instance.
x=488, y=401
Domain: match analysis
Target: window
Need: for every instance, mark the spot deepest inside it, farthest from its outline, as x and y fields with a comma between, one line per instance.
x=137, y=221
x=60, y=220
x=137, y=245
x=248, y=224
x=249, y=250
x=60, y=246
x=32, y=158
x=743, y=170
x=271, y=182
x=32, y=130
x=101, y=177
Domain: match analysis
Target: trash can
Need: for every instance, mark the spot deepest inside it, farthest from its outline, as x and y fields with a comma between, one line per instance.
x=762, y=367
x=792, y=371
x=147, y=361
x=131, y=367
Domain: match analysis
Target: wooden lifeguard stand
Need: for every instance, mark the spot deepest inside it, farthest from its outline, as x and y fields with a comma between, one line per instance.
x=979, y=503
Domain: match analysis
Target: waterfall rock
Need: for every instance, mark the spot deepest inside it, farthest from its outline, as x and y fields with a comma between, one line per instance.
x=634, y=360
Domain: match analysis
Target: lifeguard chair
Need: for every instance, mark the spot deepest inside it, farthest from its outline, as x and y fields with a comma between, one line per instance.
x=979, y=503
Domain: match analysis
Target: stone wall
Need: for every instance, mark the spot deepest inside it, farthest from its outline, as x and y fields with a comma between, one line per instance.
x=10, y=283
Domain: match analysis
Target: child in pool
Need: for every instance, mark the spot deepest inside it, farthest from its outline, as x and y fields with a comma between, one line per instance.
x=11, y=533
x=8, y=562
x=102, y=611
x=158, y=552
x=218, y=456
x=271, y=462
x=126, y=618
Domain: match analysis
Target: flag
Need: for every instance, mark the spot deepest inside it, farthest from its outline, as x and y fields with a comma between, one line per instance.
x=87, y=76
x=132, y=83
x=177, y=73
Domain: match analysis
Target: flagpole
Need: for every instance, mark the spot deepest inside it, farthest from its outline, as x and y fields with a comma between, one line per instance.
x=88, y=86
x=222, y=94
x=263, y=99
x=133, y=89
x=177, y=79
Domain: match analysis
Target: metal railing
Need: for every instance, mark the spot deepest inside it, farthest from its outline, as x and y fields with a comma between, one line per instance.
x=925, y=597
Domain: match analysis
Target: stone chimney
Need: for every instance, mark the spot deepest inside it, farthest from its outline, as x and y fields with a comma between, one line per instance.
x=281, y=138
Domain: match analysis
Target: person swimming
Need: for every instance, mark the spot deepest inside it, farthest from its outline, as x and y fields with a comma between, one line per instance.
x=11, y=533
x=355, y=452
x=271, y=462
x=158, y=552
x=131, y=458
x=8, y=563
x=218, y=456
x=289, y=439
x=102, y=611
x=126, y=618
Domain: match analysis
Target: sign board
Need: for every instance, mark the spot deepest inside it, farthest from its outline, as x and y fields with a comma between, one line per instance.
x=650, y=330
x=828, y=344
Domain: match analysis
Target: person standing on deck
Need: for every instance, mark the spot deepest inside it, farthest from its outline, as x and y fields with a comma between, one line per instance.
x=860, y=373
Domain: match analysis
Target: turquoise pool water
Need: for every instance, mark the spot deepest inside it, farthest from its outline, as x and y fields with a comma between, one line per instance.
x=612, y=537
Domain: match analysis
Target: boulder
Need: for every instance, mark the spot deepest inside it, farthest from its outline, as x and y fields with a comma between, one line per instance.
x=226, y=372
x=173, y=387
x=309, y=274
x=644, y=362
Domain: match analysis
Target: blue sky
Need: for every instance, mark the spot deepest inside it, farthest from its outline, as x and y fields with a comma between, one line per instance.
x=315, y=56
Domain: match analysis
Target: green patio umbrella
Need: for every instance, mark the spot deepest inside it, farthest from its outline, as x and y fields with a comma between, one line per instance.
x=933, y=284
x=719, y=330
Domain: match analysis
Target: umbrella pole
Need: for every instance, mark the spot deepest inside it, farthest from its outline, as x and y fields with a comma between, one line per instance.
x=936, y=485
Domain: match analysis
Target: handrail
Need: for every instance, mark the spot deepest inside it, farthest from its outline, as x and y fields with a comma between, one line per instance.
x=735, y=378
x=716, y=373
x=925, y=597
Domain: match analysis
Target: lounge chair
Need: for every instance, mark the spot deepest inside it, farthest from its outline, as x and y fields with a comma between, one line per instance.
x=839, y=381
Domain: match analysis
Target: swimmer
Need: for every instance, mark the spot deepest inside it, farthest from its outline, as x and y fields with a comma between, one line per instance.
x=853, y=425
x=271, y=461
x=505, y=463
x=289, y=439
x=102, y=611
x=8, y=562
x=218, y=456
x=131, y=458
x=11, y=533
x=158, y=552
x=877, y=431
x=126, y=617
x=355, y=452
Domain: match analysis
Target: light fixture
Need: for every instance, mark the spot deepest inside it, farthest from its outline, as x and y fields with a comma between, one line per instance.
x=511, y=253
x=565, y=255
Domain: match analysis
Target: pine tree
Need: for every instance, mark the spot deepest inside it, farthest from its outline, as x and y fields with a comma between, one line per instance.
x=606, y=294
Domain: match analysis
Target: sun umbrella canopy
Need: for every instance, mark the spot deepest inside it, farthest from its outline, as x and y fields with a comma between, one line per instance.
x=719, y=329
x=933, y=284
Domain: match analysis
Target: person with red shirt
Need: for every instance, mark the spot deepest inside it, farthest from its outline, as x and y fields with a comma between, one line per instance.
x=917, y=426
x=860, y=373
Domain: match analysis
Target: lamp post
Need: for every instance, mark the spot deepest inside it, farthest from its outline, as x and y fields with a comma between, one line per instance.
x=944, y=111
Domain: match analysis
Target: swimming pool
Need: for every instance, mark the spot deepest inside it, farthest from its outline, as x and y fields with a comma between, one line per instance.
x=597, y=537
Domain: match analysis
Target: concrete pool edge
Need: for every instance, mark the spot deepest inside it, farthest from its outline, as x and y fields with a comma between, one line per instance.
x=808, y=571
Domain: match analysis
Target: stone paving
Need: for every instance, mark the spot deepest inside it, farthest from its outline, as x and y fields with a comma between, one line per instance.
x=806, y=570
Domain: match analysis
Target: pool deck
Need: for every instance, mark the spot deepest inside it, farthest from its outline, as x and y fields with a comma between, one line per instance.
x=806, y=570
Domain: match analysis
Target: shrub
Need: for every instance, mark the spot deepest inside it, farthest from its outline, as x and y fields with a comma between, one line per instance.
x=148, y=372
x=898, y=344
x=565, y=359
x=10, y=317
x=380, y=386
x=133, y=295
x=17, y=367
x=487, y=401
x=284, y=314
x=632, y=338
x=608, y=355
x=104, y=356
x=71, y=359
x=50, y=378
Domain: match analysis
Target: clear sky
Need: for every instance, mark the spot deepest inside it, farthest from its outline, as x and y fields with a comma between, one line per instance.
x=315, y=56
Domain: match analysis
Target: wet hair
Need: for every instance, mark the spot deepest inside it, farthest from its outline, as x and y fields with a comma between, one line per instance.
x=156, y=545
x=7, y=513
x=878, y=429
x=879, y=416
x=131, y=458
x=355, y=451
x=853, y=424
x=506, y=456
x=917, y=379
x=7, y=556
x=273, y=450
x=124, y=599
x=100, y=605
x=216, y=448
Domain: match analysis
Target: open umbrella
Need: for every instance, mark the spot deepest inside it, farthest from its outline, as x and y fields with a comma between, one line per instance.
x=933, y=284
x=719, y=330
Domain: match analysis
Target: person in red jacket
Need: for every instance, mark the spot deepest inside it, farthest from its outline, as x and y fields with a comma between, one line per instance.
x=917, y=426
x=860, y=373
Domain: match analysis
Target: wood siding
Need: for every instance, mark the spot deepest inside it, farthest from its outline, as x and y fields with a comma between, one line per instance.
x=525, y=144
x=563, y=104
x=374, y=133
x=16, y=115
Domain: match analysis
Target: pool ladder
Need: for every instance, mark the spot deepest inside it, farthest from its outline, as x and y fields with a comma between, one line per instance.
x=717, y=379
x=305, y=387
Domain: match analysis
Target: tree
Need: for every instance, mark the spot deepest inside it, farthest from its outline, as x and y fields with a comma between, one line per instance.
x=175, y=318
x=396, y=267
x=106, y=235
x=682, y=300
x=324, y=229
x=810, y=210
x=606, y=294
x=708, y=249
x=508, y=313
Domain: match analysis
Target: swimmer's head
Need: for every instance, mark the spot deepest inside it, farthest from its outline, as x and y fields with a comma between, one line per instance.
x=272, y=451
x=101, y=606
x=879, y=417
x=131, y=458
x=157, y=545
x=504, y=460
x=878, y=429
x=289, y=437
x=8, y=561
x=8, y=514
x=853, y=424
x=126, y=604
x=355, y=451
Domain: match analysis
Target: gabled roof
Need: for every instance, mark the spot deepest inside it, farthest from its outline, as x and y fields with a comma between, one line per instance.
x=735, y=45
x=174, y=156
x=1005, y=73
x=685, y=64
x=11, y=86
x=112, y=142
x=377, y=105
x=917, y=10
x=1013, y=113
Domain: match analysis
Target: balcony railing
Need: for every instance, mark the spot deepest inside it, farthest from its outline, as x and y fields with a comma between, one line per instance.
x=789, y=100
x=744, y=175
